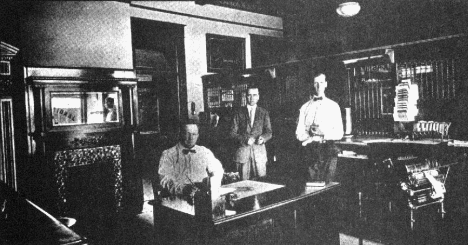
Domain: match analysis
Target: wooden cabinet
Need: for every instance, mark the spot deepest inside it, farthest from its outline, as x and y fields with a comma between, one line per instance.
x=82, y=159
x=222, y=95
x=7, y=143
x=371, y=84
x=7, y=132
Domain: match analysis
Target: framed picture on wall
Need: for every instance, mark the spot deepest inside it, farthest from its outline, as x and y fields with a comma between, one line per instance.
x=224, y=53
x=266, y=50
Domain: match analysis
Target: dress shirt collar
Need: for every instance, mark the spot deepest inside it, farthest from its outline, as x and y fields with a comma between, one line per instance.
x=182, y=148
x=187, y=151
x=318, y=98
x=249, y=107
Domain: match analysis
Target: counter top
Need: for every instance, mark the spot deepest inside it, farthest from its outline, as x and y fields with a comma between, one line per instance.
x=271, y=207
x=256, y=201
x=273, y=199
x=366, y=140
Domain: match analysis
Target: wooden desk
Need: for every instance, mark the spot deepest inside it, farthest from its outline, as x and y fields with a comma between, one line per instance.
x=281, y=215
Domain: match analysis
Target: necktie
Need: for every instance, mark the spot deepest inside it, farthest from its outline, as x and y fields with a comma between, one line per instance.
x=317, y=98
x=187, y=151
x=251, y=115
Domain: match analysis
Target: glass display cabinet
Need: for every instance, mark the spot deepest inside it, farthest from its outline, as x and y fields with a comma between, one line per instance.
x=81, y=127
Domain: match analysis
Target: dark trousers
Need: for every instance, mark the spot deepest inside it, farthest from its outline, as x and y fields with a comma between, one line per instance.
x=320, y=159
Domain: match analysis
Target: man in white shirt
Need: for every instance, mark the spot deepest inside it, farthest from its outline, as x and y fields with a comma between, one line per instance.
x=319, y=125
x=186, y=164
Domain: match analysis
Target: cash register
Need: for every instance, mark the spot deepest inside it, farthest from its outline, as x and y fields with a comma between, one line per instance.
x=423, y=181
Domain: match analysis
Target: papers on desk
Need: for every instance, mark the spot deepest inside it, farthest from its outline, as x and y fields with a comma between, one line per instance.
x=315, y=184
x=248, y=188
x=458, y=143
x=348, y=153
x=351, y=154
x=225, y=190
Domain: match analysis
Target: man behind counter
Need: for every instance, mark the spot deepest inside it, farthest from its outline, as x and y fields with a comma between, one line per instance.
x=319, y=125
x=187, y=164
x=251, y=129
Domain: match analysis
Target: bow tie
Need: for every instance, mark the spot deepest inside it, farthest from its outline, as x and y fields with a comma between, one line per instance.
x=317, y=98
x=187, y=151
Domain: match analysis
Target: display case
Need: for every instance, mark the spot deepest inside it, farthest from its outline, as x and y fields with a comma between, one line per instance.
x=81, y=128
x=222, y=93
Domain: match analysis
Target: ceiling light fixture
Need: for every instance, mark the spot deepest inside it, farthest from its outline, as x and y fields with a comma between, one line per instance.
x=348, y=9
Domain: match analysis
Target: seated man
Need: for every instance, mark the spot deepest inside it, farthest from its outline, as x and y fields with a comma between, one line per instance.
x=187, y=164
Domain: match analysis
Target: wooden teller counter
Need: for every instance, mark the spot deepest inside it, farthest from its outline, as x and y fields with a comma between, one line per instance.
x=255, y=212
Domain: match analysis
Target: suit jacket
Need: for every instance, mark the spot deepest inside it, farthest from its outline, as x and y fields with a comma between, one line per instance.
x=241, y=131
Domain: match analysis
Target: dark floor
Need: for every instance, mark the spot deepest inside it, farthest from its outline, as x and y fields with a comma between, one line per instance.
x=375, y=220
x=136, y=229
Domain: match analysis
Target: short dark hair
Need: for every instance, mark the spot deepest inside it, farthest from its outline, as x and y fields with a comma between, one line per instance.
x=182, y=129
x=110, y=99
x=253, y=87
x=319, y=73
x=189, y=121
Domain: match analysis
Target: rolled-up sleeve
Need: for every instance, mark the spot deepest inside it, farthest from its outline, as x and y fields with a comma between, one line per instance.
x=302, y=132
x=168, y=174
x=214, y=168
x=334, y=129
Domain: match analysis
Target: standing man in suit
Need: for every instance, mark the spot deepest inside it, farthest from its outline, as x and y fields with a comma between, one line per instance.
x=318, y=127
x=251, y=129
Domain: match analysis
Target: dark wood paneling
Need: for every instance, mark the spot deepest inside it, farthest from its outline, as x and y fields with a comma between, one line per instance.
x=266, y=50
x=76, y=170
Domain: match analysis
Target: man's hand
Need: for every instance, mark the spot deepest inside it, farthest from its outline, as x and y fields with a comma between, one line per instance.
x=251, y=141
x=315, y=131
x=189, y=190
x=260, y=140
x=306, y=142
x=188, y=193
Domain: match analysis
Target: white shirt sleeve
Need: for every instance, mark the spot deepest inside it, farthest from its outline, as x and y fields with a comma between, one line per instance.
x=302, y=133
x=168, y=174
x=215, y=169
x=333, y=128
